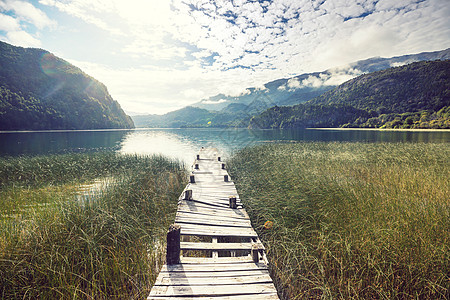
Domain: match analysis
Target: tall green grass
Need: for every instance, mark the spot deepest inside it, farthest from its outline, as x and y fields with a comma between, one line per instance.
x=351, y=220
x=109, y=245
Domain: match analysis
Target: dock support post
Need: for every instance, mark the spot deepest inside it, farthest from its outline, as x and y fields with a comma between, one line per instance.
x=192, y=179
x=196, y=166
x=225, y=178
x=232, y=200
x=188, y=195
x=255, y=253
x=173, y=245
x=198, y=156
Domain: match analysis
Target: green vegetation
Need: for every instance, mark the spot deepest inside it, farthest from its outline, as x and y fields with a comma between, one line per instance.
x=41, y=91
x=351, y=220
x=412, y=96
x=109, y=244
x=424, y=119
x=307, y=116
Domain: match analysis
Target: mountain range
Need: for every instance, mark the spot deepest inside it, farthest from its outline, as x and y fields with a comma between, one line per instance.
x=416, y=95
x=237, y=111
x=39, y=91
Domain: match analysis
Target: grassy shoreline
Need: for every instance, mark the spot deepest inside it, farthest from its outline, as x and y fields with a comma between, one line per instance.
x=351, y=220
x=109, y=245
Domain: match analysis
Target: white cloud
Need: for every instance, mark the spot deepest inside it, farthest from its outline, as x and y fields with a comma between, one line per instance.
x=25, y=11
x=293, y=84
x=312, y=81
x=91, y=12
x=252, y=42
x=333, y=77
x=8, y=23
x=214, y=101
x=390, y=5
x=22, y=38
x=15, y=18
x=193, y=93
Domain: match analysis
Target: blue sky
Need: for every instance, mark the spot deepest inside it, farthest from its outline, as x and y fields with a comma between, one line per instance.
x=156, y=56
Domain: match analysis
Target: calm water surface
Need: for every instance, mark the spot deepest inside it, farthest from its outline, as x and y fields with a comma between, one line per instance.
x=183, y=144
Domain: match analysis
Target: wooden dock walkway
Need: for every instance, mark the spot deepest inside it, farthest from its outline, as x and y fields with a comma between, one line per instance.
x=213, y=252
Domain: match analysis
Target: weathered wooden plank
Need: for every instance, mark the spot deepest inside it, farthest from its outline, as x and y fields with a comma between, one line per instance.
x=187, y=217
x=194, y=232
x=245, y=266
x=211, y=274
x=216, y=214
x=216, y=222
x=191, y=207
x=215, y=246
x=222, y=201
x=219, y=260
x=210, y=216
x=200, y=194
x=236, y=213
x=210, y=184
x=194, y=206
x=190, y=229
x=219, y=290
x=270, y=296
x=208, y=203
x=213, y=280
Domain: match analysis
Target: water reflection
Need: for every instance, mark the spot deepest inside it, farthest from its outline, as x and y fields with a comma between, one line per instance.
x=45, y=142
x=159, y=142
x=183, y=144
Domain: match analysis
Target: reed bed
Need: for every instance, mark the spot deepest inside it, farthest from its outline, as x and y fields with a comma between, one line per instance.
x=106, y=246
x=351, y=220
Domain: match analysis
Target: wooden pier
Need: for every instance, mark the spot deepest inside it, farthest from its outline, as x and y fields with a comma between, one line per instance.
x=212, y=250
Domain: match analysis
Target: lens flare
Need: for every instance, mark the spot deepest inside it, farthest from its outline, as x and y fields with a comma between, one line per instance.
x=268, y=224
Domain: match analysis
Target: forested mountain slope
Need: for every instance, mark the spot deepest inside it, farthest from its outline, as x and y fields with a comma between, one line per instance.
x=411, y=96
x=40, y=91
x=304, y=87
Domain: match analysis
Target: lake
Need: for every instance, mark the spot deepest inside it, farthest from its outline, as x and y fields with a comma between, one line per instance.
x=183, y=144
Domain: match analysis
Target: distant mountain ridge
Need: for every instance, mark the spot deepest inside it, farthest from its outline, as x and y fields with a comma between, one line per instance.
x=304, y=87
x=225, y=111
x=39, y=91
x=192, y=117
x=411, y=96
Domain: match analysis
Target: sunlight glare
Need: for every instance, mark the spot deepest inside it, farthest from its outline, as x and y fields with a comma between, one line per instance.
x=144, y=12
